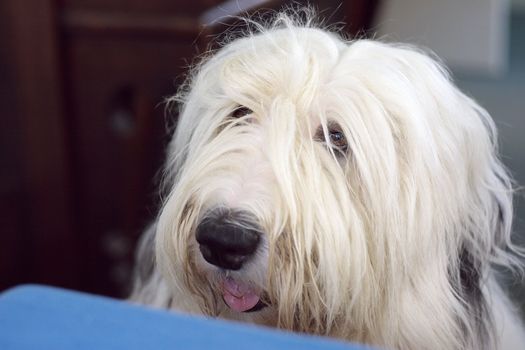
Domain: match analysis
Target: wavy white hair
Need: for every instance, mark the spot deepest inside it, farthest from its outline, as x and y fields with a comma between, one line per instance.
x=389, y=241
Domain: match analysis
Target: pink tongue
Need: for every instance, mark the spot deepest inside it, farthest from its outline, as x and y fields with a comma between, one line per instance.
x=239, y=297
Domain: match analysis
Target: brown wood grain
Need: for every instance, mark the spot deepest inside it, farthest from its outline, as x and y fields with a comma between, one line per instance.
x=43, y=149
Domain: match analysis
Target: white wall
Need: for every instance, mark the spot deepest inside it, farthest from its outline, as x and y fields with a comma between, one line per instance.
x=470, y=35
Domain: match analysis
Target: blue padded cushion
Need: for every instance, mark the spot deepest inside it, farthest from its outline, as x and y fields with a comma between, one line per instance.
x=38, y=317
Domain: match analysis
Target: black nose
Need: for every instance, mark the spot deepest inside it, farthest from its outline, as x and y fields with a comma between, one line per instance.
x=227, y=238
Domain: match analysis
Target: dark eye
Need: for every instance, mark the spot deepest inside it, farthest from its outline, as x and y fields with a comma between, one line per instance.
x=337, y=139
x=241, y=111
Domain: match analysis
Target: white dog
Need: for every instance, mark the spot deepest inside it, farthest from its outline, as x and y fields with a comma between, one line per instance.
x=334, y=187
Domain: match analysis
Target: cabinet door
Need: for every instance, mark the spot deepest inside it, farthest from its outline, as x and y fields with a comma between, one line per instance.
x=120, y=68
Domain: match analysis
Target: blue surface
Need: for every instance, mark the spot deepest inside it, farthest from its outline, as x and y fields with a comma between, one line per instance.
x=37, y=317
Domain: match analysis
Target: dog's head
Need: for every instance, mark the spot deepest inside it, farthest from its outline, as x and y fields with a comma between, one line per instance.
x=326, y=185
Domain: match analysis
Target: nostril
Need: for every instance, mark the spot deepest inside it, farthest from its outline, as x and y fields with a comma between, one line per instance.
x=222, y=258
x=206, y=252
x=235, y=259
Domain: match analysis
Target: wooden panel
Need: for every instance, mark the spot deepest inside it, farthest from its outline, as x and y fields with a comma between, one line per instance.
x=10, y=184
x=140, y=25
x=116, y=87
x=43, y=153
x=359, y=16
x=190, y=8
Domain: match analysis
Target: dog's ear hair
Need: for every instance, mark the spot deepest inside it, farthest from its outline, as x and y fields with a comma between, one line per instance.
x=149, y=286
x=467, y=285
x=485, y=230
x=468, y=281
x=147, y=282
x=503, y=212
x=145, y=257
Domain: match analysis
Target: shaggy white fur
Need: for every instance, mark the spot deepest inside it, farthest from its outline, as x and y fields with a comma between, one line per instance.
x=374, y=184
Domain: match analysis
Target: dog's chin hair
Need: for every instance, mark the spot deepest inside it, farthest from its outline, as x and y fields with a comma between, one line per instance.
x=391, y=243
x=253, y=273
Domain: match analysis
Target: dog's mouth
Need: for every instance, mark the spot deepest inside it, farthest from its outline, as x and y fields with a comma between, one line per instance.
x=240, y=296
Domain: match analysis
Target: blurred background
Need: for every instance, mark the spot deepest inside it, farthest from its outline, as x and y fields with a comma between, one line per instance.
x=83, y=127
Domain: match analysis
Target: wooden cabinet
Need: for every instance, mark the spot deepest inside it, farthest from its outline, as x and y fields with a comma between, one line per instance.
x=117, y=77
x=89, y=79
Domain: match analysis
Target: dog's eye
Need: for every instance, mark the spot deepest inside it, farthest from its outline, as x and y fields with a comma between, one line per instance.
x=241, y=111
x=337, y=139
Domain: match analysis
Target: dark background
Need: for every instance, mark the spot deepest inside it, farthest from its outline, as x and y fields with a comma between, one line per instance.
x=83, y=128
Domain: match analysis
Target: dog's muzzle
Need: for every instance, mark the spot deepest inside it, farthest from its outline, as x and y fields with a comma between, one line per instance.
x=227, y=238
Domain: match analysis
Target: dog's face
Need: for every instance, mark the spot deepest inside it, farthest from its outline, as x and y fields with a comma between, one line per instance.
x=315, y=182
